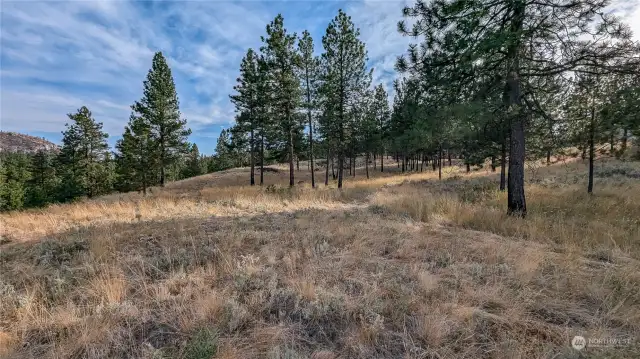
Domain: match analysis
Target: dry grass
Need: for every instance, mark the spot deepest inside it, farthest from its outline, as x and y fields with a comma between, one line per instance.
x=399, y=266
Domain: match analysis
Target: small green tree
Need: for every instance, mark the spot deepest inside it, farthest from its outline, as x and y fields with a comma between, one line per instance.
x=14, y=175
x=193, y=165
x=82, y=157
x=43, y=183
x=135, y=157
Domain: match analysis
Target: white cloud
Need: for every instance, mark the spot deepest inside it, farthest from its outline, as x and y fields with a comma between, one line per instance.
x=58, y=56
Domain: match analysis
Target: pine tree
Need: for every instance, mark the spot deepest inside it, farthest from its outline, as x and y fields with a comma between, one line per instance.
x=466, y=39
x=159, y=108
x=193, y=166
x=135, y=157
x=82, y=157
x=14, y=176
x=345, y=81
x=308, y=73
x=246, y=103
x=381, y=116
x=281, y=58
x=42, y=186
x=224, y=157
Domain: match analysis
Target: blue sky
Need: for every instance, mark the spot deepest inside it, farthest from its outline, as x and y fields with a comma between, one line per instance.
x=58, y=56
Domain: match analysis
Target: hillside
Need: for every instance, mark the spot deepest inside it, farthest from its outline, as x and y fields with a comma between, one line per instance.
x=398, y=266
x=18, y=142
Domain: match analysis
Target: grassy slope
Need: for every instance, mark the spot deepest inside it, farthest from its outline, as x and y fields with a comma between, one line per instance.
x=399, y=266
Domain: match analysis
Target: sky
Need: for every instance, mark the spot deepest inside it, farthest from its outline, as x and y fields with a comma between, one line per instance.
x=57, y=56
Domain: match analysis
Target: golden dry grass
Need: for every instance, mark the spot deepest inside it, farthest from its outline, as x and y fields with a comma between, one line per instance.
x=398, y=266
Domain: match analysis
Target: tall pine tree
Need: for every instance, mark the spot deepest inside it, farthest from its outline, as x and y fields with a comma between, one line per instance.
x=345, y=80
x=281, y=58
x=308, y=73
x=159, y=108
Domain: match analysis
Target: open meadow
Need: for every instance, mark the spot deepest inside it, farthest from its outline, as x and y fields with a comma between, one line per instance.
x=397, y=266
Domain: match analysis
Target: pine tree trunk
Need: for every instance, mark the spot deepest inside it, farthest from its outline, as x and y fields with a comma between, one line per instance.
x=366, y=164
x=468, y=167
x=162, y=159
x=340, y=169
x=440, y=163
x=375, y=160
x=516, y=204
x=433, y=162
x=624, y=141
x=326, y=170
x=261, y=159
x=382, y=160
x=449, y=156
x=291, y=174
x=548, y=157
x=297, y=163
x=253, y=164
x=354, y=165
x=612, y=141
x=493, y=163
x=592, y=135
x=503, y=163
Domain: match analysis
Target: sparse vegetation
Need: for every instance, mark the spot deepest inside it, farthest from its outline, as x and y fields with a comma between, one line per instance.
x=401, y=265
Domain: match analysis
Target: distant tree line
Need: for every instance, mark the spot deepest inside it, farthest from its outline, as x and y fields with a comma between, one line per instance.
x=485, y=81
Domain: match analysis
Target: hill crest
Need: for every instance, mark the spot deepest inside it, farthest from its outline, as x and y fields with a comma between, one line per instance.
x=19, y=142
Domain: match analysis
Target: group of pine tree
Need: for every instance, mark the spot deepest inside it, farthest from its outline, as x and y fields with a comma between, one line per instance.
x=152, y=150
x=495, y=82
x=487, y=81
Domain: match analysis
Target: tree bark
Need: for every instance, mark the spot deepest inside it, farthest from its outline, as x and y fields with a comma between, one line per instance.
x=493, y=163
x=516, y=203
x=592, y=135
x=440, y=162
x=261, y=159
x=382, y=160
x=291, y=174
x=354, y=165
x=366, y=164
x=548, y=157
x=252, y=160
x=340, y=170
x=326, y=172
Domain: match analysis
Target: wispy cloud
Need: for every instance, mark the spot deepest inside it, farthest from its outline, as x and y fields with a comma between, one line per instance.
x=58, y=56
